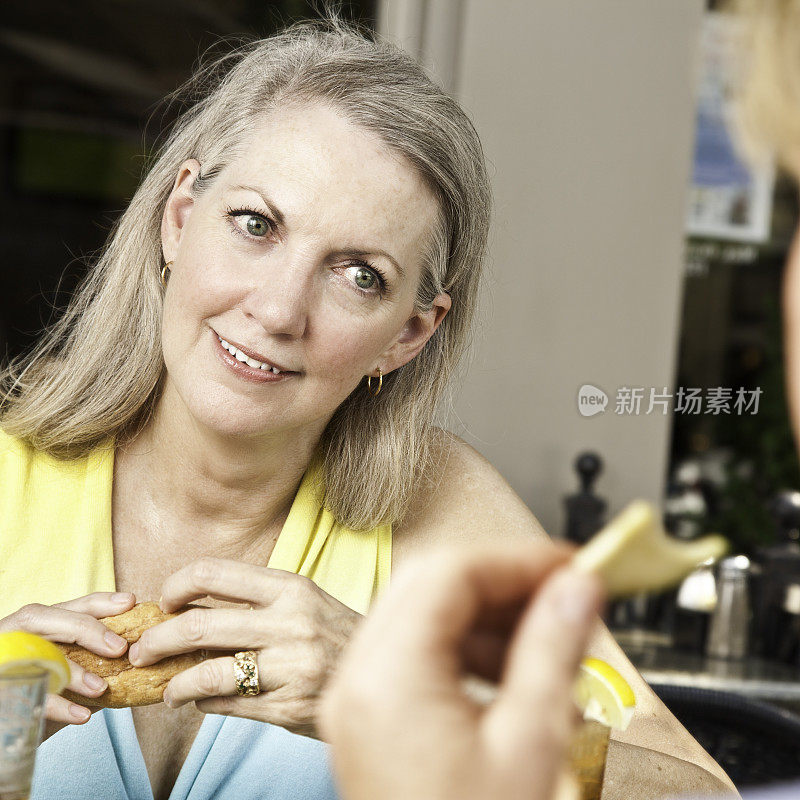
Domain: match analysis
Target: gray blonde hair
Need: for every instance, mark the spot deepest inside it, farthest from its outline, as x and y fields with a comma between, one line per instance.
x=767, y=78
x=66, y=398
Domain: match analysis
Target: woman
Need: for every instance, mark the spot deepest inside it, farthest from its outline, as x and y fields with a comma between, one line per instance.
x=318, y=215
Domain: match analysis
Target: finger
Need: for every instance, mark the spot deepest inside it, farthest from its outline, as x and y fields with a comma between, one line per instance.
x=59, y=709
x=445, y=598
x=100, y=604
x=224, y=579
x=552, y=635
x=231, y=706
x=534, y=712
x=84, y=682
x=433, y=605
x=290, y=714
x=214, y=678
x=69, y=627
x=195, y=629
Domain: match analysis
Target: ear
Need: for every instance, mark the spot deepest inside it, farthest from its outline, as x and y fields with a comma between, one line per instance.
x=178, y=208
x=415, y=334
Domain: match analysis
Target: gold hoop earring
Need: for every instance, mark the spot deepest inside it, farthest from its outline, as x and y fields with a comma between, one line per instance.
x=164, y=271
x=380, y=383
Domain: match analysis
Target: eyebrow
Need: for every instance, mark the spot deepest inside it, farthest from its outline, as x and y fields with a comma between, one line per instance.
x=271, y=207
x=352, y=252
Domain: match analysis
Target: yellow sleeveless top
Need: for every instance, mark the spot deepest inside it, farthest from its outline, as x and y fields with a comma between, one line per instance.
x=55, y=533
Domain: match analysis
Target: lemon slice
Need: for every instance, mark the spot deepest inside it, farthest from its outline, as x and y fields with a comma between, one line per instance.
x=22, y=653
x=603, y=694
x=634, y=554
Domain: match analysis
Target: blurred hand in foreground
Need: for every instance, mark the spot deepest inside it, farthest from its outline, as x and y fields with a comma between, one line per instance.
x=396, y=713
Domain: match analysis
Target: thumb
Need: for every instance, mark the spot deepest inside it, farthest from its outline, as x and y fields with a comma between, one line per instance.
x=534, y=714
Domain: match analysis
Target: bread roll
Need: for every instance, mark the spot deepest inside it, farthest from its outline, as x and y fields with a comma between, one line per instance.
x=129, y=685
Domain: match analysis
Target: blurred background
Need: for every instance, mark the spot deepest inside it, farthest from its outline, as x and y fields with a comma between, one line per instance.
x=629, y=343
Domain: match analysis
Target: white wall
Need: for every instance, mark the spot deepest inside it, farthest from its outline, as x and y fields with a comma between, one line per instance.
x=585, y=111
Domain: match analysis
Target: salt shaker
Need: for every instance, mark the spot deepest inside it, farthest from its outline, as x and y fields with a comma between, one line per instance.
x=727, y=636
x=696, y=600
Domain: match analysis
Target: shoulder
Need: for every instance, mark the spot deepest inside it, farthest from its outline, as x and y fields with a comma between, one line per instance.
x=10, y=443
x=461, y=498
x=38, y=470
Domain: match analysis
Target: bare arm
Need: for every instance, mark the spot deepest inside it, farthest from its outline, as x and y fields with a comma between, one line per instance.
x=670, y=747
x=467, y=500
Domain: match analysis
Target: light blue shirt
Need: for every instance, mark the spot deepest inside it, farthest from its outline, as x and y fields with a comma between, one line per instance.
x=231, y=759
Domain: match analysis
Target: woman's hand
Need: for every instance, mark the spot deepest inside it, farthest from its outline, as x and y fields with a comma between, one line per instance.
x=75, y=622
x=296, y=629
x=397, y=714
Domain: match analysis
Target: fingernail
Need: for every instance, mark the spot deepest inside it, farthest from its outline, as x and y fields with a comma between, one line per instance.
x=576, y=596
x=133, y=652
x=168, y=699
x=93, y=681
x=121, y=597
x=114, y=641
x=79, y=713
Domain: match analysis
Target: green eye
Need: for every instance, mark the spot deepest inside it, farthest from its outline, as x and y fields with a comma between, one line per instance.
x=257, y=226
x=365, y=278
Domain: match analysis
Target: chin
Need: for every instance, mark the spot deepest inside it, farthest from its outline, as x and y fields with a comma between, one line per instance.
x=228, y=417
x=235, y=426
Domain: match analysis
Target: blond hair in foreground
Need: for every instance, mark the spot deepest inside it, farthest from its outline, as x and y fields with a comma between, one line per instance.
x=99, y=370
x=767, y=83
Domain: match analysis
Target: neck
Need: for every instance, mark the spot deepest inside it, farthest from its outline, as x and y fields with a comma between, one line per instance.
x=218, y=493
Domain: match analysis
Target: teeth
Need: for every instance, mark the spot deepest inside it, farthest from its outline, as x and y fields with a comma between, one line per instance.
x=251, y=362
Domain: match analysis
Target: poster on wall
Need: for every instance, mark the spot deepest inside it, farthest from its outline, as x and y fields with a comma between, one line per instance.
x=728, y=199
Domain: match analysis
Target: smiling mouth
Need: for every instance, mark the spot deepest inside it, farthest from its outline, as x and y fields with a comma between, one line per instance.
x=251, y=362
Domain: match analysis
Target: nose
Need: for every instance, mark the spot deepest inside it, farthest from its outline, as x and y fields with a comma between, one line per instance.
x=281, y=298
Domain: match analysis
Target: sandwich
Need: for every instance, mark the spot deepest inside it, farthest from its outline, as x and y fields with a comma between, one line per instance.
x=128, y=685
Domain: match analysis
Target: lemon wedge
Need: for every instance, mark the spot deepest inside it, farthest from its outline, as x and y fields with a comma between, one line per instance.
x=22, y=653
x=634, y=554
x=603, y=694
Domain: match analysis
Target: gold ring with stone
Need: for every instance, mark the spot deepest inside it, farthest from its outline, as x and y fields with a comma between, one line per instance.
x=245, y=673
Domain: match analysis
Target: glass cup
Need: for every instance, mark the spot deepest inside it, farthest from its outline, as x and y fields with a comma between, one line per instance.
x=22, y=699
x=587, y=758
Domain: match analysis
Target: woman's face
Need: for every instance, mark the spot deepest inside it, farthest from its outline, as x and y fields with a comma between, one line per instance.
x=305, y=252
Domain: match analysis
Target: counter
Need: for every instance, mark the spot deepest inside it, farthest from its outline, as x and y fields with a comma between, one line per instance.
x=757, y=678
